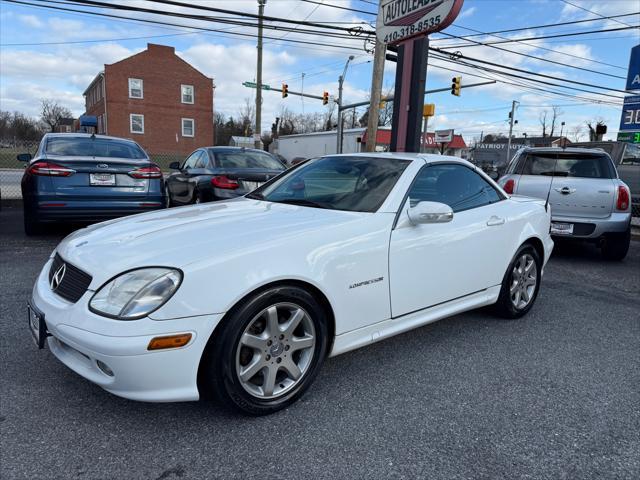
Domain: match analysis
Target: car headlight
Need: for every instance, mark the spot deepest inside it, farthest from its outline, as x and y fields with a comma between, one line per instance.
x=137, y=293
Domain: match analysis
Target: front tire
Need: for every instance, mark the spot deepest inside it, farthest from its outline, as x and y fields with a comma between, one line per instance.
x=616, y=245
x=521, y=284
x=267, y=351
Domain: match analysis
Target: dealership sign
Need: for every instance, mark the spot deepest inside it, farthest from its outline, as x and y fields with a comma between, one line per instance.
x=633, y=75
x=443, y=136
x=630, y=119
x=400, y=20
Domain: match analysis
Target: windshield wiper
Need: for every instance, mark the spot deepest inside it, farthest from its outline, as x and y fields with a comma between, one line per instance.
x=303, y=202
x=255, y=196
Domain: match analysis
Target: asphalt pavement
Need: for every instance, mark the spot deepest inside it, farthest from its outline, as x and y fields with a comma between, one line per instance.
x=553, y=395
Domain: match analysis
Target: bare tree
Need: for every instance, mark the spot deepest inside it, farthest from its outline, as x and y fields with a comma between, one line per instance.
x=593, y=125
x=556, y=112
x=51, y=113
x=575, y=133
x=543, y=122
x=247, y=116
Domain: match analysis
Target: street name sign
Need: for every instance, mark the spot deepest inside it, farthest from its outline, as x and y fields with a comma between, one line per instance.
x=400, y=20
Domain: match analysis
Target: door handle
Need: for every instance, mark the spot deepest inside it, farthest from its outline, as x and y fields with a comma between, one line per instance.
x=565, y=190
x=493, y=221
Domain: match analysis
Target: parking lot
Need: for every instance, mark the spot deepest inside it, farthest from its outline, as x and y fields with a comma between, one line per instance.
x=553, y=395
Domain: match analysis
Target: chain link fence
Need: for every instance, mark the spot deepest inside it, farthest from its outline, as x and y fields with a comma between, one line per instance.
x=11, y=169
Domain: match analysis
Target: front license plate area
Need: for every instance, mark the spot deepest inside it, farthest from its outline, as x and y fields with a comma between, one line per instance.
x=102, y=179
x=37, y=326
x=558, y=228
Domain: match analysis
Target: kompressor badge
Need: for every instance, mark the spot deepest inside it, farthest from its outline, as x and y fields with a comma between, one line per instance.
x=400, y=20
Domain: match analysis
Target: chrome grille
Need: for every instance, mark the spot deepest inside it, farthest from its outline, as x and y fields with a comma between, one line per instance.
x=72, y=284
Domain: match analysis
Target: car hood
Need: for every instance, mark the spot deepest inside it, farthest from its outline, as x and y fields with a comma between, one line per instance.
x=180, y=236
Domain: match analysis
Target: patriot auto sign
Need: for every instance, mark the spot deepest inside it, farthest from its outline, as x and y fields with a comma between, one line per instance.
x=400, y=20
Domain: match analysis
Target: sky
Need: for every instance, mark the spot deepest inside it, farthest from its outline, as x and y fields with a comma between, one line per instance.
x=55, y=54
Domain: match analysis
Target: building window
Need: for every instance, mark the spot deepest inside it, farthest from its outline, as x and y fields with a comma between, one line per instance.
x=135, y=88
x=136, y=123
x=188, y=127
x=187, y=93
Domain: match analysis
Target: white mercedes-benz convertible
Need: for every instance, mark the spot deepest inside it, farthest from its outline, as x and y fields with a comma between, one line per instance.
x=244, y=299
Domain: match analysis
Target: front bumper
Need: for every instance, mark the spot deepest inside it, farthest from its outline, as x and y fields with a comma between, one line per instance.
x=80, y=339
x=595, y=228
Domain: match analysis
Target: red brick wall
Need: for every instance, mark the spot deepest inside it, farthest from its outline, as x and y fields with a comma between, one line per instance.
x=163, y=73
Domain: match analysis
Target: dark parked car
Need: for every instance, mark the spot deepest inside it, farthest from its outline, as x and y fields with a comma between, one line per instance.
x=218, y=173
x=88, y=178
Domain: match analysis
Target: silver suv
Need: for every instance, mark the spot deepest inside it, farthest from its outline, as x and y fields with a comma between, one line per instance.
x=588, y=201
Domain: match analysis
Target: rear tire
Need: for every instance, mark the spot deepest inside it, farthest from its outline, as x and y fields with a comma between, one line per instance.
x=31, y=225
x=521, y=284
x=266, y=352
x=616, y=245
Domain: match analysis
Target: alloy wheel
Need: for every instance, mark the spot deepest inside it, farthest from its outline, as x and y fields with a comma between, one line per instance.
x=275, y=350
x=524, y=279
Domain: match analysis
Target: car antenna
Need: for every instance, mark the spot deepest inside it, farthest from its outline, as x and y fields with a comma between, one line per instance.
x=553, y=174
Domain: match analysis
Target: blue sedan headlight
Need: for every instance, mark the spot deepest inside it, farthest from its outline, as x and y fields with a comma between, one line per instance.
x=137, y=293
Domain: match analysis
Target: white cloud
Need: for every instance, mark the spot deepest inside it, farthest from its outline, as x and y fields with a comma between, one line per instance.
x=467, y=12
x=31, y=21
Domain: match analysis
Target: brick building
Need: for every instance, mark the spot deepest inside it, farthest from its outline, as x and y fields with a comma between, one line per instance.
x=156, y=99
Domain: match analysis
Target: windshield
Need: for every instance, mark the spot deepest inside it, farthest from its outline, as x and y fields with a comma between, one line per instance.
x=93, y=147
x=358, y=184
x=247, y=159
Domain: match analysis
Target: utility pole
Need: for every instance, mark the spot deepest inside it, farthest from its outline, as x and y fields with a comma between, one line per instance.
x=511, y=118
x=340, y=83
x=376, y=94
x=257, y=132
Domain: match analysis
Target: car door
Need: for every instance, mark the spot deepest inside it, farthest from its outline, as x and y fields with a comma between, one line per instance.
x=430, y=264
x=179, y=183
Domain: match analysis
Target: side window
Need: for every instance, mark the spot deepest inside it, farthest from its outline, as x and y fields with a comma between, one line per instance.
x=201, y=161
x=455, y=185
x=191, y=160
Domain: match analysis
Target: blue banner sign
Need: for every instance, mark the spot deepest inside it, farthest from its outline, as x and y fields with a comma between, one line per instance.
x=633, y=76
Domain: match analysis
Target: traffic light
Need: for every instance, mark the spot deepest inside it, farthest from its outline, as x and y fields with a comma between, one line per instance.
x=428, y=110
x=285, y=90
x=455, y=86
x=325, y=98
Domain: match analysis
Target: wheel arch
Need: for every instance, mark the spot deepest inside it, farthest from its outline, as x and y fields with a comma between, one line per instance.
x=538, y=246
x=312, y=289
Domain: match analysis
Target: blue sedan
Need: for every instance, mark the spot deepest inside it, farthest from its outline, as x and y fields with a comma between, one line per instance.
x=88, y=178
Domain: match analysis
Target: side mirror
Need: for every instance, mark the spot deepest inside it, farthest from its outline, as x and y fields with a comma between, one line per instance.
x=174, y=165
x=430, y=212
x=24, y=157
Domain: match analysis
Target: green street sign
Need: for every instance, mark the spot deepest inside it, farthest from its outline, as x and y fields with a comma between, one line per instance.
x=255, y=85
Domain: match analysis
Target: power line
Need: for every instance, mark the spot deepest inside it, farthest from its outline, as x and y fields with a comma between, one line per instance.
x=557, y=35
x=537, y=47
x=75, y=42
x=343, y=8
x=592, y=12
x=547, y=25
x=458, y=56
x=158, y=22
x=538, y=58
x=499, y=76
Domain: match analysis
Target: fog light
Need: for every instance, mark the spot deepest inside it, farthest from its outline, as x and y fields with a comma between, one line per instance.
x=170, y=341
x=104, y=368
